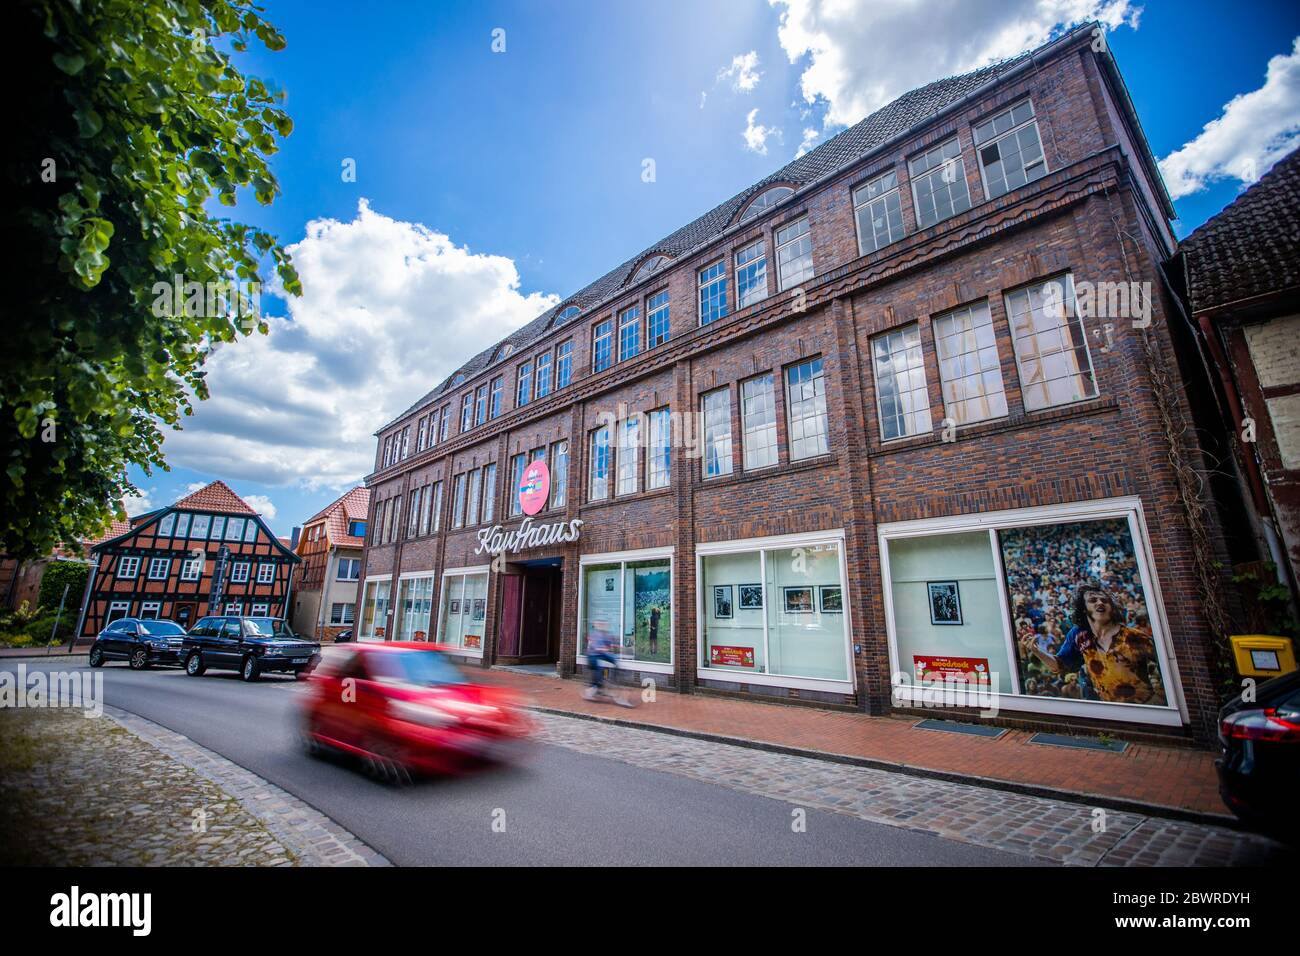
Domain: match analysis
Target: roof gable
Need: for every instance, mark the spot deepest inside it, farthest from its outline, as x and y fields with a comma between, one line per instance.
x=217, y=497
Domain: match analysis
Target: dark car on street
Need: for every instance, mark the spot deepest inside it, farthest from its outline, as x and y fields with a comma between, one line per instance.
x=250, y=645
x=141, y=642
x=1259, y=772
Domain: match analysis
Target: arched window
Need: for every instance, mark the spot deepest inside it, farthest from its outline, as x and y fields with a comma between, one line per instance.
x=567, y=313
x=505, y=350
x=765, y=201
x=650, y=267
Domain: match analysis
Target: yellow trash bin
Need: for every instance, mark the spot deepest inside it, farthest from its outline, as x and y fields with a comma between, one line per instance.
x=1263, y=655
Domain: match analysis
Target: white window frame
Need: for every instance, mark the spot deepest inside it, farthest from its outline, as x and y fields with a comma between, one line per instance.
x=164, y=563
x=344, y=619
x=624, y=558
x=885, y=337
x=748, y=435
x=1032, y=121
x=361, y=602
x=239, y=572
x=146, y=607
x=237, y=606
x=806, y=235
x=867, y=204
x=123, y=606
x=704, y=435
x=165, y=525
x=192, y=569
x=264, y=612
x=435, y=628
x=1172, y=714
x=266, y=572
x=1066, y=281
x=914, y=178
x=825, y=416
x=757, y=289
x=706, y=290
x=762, y=546
x=627, y=464
x=127, y=561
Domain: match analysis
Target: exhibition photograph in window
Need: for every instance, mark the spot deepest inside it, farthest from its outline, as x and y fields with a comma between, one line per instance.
x=1080, y=617
x=633, y=600
x=1056, y=610
x=776, y=611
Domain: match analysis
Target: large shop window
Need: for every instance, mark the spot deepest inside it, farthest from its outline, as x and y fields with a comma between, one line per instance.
x=462, y=616
x=633, y=600
x=776, y=611
x=1038, y=607
x=374, y=610
x=413, y=609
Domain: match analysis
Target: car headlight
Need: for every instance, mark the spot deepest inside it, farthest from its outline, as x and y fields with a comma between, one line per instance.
x=422, y=714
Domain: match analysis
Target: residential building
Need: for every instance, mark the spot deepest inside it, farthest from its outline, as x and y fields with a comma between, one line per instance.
x=330, y=545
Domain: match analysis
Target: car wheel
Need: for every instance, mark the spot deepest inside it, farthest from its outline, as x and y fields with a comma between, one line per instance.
x=96, y=656
x=250, y=670
x=194, y=665
x=139, y=659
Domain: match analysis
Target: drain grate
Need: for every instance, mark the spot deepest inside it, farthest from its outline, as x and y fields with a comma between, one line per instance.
x=1080, y=743
x=957, y=727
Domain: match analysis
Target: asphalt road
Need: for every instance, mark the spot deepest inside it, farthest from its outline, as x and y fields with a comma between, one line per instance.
x=561, y=807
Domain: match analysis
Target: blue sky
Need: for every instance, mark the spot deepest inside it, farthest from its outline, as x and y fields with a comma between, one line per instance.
x=496, y=181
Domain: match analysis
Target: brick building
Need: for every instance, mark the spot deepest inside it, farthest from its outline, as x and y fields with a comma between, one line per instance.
x=209, y=553
x=858, y=427
x=330, y=546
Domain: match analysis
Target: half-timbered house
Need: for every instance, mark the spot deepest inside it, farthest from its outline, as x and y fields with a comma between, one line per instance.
x=209, y=553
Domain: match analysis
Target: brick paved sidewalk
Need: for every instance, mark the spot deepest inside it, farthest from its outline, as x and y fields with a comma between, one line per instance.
x=1146, y=775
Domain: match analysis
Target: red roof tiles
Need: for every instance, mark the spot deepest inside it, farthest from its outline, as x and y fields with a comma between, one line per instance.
x=353, y=506
x=216, y=497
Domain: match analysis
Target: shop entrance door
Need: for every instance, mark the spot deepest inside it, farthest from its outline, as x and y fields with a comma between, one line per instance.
x=539, y=605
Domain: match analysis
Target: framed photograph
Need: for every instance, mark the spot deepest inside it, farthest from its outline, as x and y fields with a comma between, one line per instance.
x=798, y=600
x=480, y=609
x=455, y=606
x=722, y=601
x=832, y=598
x=945, y=602
x=751, y=597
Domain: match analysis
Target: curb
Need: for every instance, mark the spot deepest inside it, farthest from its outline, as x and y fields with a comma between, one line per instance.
x=1120, y=804
x=314, y=838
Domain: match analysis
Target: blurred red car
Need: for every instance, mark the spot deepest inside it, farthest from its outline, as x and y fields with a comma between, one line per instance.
x=406, y=709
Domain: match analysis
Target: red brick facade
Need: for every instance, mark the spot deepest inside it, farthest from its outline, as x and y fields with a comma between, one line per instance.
x=1097, y=214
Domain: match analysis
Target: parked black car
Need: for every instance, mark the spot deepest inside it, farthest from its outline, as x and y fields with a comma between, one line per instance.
x=1259, y=772
x=250, y=645
x=141, y=642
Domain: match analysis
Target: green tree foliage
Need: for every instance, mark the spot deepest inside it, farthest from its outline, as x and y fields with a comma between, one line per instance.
x=132, y=120
x=56, y=576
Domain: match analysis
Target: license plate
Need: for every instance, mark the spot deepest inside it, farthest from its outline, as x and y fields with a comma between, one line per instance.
x=300, y=660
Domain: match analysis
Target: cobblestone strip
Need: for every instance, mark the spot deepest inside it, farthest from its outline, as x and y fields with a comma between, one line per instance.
x=1040, y=827
x=313, y=838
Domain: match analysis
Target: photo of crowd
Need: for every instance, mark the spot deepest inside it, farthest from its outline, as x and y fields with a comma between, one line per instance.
x=1080, y=618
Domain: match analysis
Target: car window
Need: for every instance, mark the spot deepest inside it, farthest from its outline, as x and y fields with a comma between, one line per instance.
x=162, y=628
x=201, y=627
x=422, y=668
x=267, y=627
x=230, y=628
x=114, y=628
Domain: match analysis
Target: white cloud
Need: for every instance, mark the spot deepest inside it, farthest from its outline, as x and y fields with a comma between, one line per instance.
x=743, y=72
x=1255, y=130
x=756, y=135
x=261, y=504
x=389, y=309
x=809, y=140
x=138, y=502
x=860, y=54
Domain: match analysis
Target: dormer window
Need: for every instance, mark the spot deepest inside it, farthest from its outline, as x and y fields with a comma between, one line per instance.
x=650, y=267
x=505, y=351
x=567, y=313
x=765, y=201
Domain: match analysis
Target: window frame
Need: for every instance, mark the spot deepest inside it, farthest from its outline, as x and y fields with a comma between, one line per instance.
x=790, y=419
x=895, y=191
x=707, y=442
x=602, y=338
x=998, y=137
x=925, y=379
x=712, y=287
x=778, y=245
x=913, y=179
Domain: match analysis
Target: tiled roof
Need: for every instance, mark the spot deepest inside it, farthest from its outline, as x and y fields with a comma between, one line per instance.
x=216, y=497
x=115, y=529
x=1252, y=247
x=849, y=146
x=353, y=506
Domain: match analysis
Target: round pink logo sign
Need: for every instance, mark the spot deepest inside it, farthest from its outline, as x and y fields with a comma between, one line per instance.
x=534, y=487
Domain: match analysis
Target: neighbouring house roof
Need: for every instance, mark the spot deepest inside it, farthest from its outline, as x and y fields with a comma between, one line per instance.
x=116, y=529
x=353, y=506
x=881, y=127
x=217, y=497
x=1252, y=247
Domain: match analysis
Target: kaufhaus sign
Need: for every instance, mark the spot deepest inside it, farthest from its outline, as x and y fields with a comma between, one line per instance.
x=497, y=540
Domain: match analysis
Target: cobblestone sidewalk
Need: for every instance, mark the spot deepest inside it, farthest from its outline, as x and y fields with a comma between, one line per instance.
x=1047, y=829
x=122, y=791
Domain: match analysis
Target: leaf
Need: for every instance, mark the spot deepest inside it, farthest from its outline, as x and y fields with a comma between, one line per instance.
x=69, y=63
